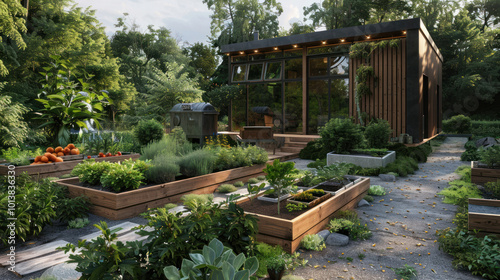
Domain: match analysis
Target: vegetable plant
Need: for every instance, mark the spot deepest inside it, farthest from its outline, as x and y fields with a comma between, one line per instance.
x=226, y=188
x=313, y=242
x=280, y=177
x=295, y=207
x=78, y=223
x=376, y=190
x=121, y=178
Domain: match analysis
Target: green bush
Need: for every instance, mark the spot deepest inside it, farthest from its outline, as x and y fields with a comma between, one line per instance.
x=163, y=169
x=192, y=200
x=277, y=263
x=486, y=128
x=470, y=155
x=490, y=156
x=261, y=178
x=493, y=189
x=256, y=154
x=349, y=224
x=313, y=150
x=462, y=189
x=402, y=166
x=239, y=184
x=377, y=133
x=91, y=172
x=376, y=190
x=198, y=162
x=148, y=131
x=139, y=165
x=253, y=181
x=368, y=198
x=457, y=124
x=71, y=208
x=167, y=145
x=226, y=188
x=341, y=136
x=317, y=164
x=121, y=178
x=312, y=242
x=78, y=223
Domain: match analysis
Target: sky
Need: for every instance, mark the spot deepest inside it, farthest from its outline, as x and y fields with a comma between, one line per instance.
x=188, y=20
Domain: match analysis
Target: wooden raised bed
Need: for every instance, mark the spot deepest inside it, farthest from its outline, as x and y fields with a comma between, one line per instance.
x=118, y=206
x=289, y=233
x=486, y=219
x=59, y=168
x=480, y=175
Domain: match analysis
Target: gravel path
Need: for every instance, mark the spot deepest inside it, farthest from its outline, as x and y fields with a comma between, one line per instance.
x=404, y=224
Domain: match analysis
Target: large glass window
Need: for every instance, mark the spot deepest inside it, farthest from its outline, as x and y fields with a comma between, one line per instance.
x=239, y=109
x=339, y=98
x=293, y=107
x=317, y=100
x=273, y=71
x=265, y=105
x=239, y=72
x=339, y=65
x=293, y=68
x=318, y=66
x=255, y=72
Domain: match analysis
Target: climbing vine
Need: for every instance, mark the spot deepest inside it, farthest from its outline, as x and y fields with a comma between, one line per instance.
x=364, y=71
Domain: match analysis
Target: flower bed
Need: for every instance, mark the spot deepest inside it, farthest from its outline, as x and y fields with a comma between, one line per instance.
x=289, y=228
x=117, y=206
x=59, y=168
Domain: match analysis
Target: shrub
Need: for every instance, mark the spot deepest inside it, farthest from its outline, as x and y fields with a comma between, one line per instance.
x=470, y=155
x=196, y=163
x=341, y=136
x=256, y=154
x=493, y=189
x=253, y=181
x=313, y=242
x=348, y=223
x=165, y=146
x=226, y=188
x=239, y=184
x=402, y=166
x=261, y=178
x=317, y=164
x=457, y=124
x=314, y=150
x=486, y=128
x=78, y=223
x=193, y=201
x=277, y=263
x=91, y=172
x=377, y=133
x=148, y=131
x=372, y=152
x=295, y=207
x=71, y=208
x=490, y=156
x=368, y=198
x=376, y=190
x=163, y=169
x=121, y=178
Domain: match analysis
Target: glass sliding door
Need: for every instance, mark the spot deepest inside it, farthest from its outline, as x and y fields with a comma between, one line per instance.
x=293, y=107
x=265, y=106
x=317, y=100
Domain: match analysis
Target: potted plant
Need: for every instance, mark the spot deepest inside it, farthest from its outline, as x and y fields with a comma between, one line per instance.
x=280, y=177
x=276, y=267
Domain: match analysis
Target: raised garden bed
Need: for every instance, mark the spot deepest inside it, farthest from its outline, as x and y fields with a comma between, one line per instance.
x=59, y=168
x=118, y=206
x=365, y=161
x=315, y=200
x=484, y=215
x=481, y=174
x=288, y=229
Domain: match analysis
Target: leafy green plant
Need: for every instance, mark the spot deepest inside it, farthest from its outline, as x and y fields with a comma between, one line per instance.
x=372, y=152
x=196, y=163
x=14, y=129
x=167, y=145
x=68, y=209
x=254, y=190
x=216, y=262
x=361, y=256
x=406, y=272
x=490, y=156
x=317, y=164
x=275, y=265
x=349, y=224
x=316, y=192
x=148, y=131
x=335, y=172
x=377, y=133
x=121, y=178
x=226, y=188
x=253, y=181
x=90, y=171
x=376, y=190
x=313, y=242
x=314, y=150
x=493, y=188
x=78, y=223
x=163, y=169
x=261, y=178
x=303, y=196
x=169, y=206
x=239, y=184
x=193, y=201
x=457, y=124
x=307, y=178
x=64, y=105
x=341, y=136
x=265, y=252
x=280, y=177
x=295, y=206
x=19, y=157
x=368, y=198
x=257, y=154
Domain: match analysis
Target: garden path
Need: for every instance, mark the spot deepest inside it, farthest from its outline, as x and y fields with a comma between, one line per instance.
x=404, y=224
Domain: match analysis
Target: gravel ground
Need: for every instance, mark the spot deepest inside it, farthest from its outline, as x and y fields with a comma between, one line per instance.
x=404, y=224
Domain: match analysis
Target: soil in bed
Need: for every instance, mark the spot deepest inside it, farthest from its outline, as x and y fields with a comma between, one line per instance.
x=330, y=186
x=271, y=209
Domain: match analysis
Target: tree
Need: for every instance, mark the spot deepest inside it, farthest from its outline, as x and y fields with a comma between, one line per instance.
x=12, y=24
x=485, y=11
x=388, y=10
x=296, y=28
x=13, y=129
x=203, y=60
x=333, y=14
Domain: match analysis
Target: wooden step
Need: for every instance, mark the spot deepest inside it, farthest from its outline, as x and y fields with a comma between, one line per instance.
x=34, y=265
x=34, y=252
x=125, y=228
x=290, y=149
x=296, y=144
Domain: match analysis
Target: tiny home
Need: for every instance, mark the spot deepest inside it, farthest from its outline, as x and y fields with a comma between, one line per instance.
x=297, y=83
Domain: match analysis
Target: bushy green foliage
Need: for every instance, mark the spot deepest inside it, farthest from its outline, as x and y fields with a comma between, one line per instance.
x=19, y=157
x=376, y=190
x=163, y=169
x=295, y=206
x=402, y=166
x=317, y=164
x=239, y=184
x=486, y=128
x=303, y=196
x=253, y=181
x=168, y=145
x=198, y=162
x=256, y=154
x=280, y=177
x=372, y=152
x=265, y=252
x=490, y=156
x=261, y=178
x=139, y=165
x=169, y=206
x=226, y=188
x=493, y=189
x=92, y=171
x=457, y=124
x=341, y=136
x=368, y=198
x=470, y=155
x=68, y=209
x=121, y=178
x=406, y=272
x=277, y=263
x=221, y=262
x=78, y=223
x=377, y=133
x=313, y=242
x=148, y=131
x=334, y=172
x=234, y=157
x=195, y=200
x=348, y=223
x=307, y=178
x=419, y=153
x=461, y=189
x=314, y=150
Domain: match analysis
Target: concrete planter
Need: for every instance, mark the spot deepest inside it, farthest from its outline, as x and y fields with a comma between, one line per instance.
x=364, y=161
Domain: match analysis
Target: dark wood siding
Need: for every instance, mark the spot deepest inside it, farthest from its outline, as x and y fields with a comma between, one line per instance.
x=388, y=98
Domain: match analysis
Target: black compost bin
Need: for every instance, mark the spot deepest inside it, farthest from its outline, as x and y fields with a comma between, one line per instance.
x=198, y=120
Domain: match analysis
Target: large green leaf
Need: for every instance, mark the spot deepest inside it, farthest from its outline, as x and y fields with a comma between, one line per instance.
x=239, y=261
x=209, y=255
x=186, y=267
x=197, y=258
x=242, y=275
x=217, y=275
x=252, y=265
x=172, y=273
x=228, y=271
x=217, y=246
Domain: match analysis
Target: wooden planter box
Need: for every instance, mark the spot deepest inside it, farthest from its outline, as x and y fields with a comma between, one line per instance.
x=289, y=233
x=59, y=168
x=118, y=206
x=486, y=219
x=480, y=175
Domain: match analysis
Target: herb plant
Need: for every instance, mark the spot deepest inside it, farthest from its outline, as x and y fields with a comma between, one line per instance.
x=121, y=178
x=313, y=242
x=280, y=177
x=226, y=188
x=295, y=207
x=376, y=190
x=78, y=223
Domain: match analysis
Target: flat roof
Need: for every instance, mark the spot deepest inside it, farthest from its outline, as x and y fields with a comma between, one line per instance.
x=333, y=36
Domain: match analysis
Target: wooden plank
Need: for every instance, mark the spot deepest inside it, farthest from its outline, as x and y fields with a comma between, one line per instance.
x=385, y=75
x=351, y=86
x=34, y=252
x=484, y=222
x=403, y=84
x=125, y=228
x=398, y=90
x=484, y=202
x=481, y=176
x=380, y=84
x=394, y=122
x=42, y=263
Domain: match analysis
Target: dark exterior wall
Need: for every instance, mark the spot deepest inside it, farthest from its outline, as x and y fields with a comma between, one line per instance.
x=388, y=98
x=430, y=66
